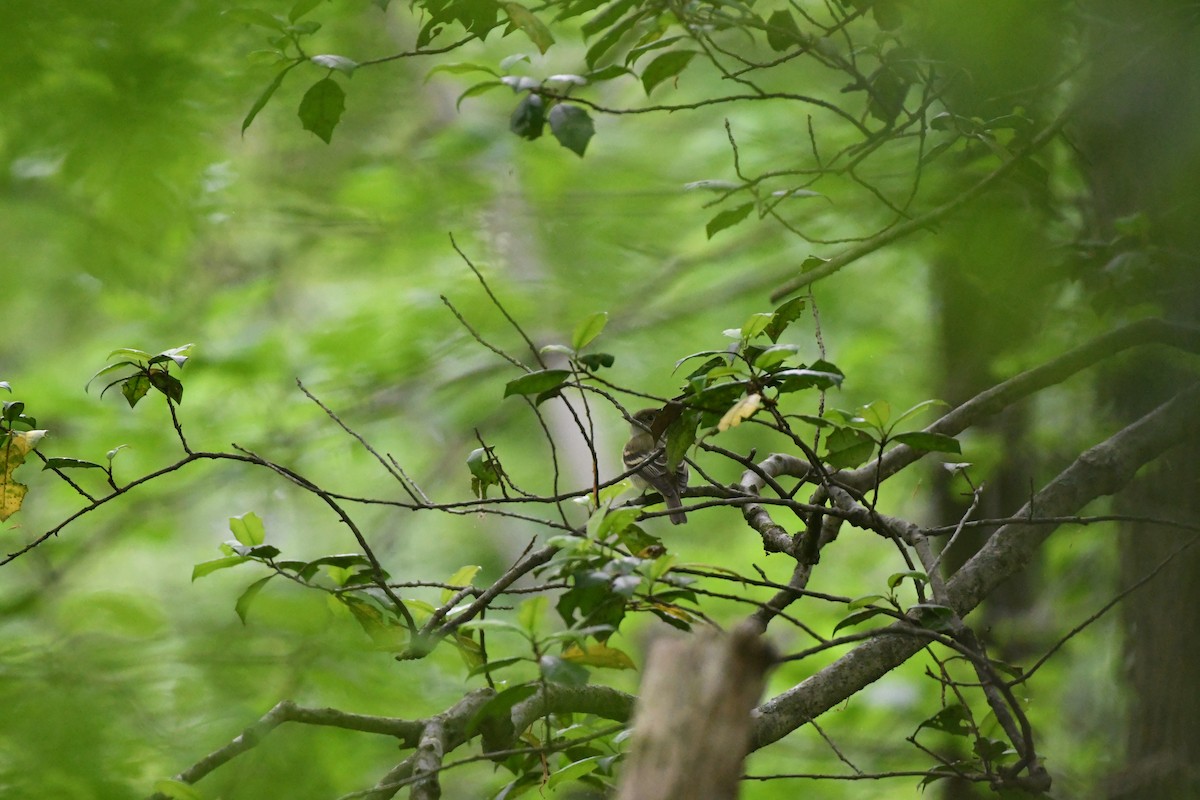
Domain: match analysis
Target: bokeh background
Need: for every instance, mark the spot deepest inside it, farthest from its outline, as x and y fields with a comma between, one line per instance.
x=134, y=212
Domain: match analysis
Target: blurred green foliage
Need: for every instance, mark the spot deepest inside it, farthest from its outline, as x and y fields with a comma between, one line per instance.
x=136, y=213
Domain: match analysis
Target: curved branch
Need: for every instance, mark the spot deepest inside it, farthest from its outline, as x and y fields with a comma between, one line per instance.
x=924, y=221
x=407, y=731
x=1101, y=470
x=1002, y=395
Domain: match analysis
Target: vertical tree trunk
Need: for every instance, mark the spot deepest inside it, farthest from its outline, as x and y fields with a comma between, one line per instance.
x=1141, y=136
x=692, y=726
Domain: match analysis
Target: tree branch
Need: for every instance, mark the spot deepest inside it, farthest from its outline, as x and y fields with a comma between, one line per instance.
x=1101, y=470
x=924, y=221
x=1001, y=396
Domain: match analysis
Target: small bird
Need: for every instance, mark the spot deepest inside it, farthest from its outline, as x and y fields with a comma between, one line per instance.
x=653, y=473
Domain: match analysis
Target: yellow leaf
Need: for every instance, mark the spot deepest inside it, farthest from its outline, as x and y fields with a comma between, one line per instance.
x=675, y=611
x=14, y=446
x=598, y=655
x=742, y=410
x=462, y=577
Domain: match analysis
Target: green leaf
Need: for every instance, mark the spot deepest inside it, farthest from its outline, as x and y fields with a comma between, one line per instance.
x=209, y=567
x=530, y=25
x=339, y=63
x=492, y=667
x=721, y=358
x=70, y=463
x=531, y=612
x=476, y=90
x=615, y=521
x=811, y=263
x=176, y=354
x=990, y=749
x=537, y=382
x=857, y=618
x=638, y=542
x=588, y=329
x=607, y=73
x=887, y=15
x=266, y=95
x=847, y=448
x=573, y=771
x=784, y=316
x=253, y=16
x=461, y=577
x=248, y=529
x=135, y=388
x=951, y=719
x=799, y=379
x=775, y=355
x=717, y=399
x=657, y=44
x=559, y=670
x=477, y=16
x=259, y=552
x=919, y=407
x=242, y=607
x=430, y=30
x=129, y=353
x=572, y=126
x=340, y=560
x=166, y=383
x=485, y=472
x=12, y=410
x=681, y=435
x=932, y=442
x=606, y=18
x=500, y=705
x=728, y=218
x=460, y=68
x=782, y=32
x=529, y=117
x=876, y=413
x=468, y=649
x=321, y=108
x=888, y=91
x=754, y=325
x=483, y=466
x=493, y=625
x=932, y=616
x=339, y=575
x=937, y=150
x=595, y=361
x=610, y=39
x=897, y=578
x=864, y=601
x=301, y=8
x=665, y=67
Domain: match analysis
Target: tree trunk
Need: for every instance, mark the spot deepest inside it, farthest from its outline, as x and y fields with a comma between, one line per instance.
x=692, y=725
x=1140, y=136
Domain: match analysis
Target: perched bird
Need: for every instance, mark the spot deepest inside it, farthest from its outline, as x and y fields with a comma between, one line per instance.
x=653, y=474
